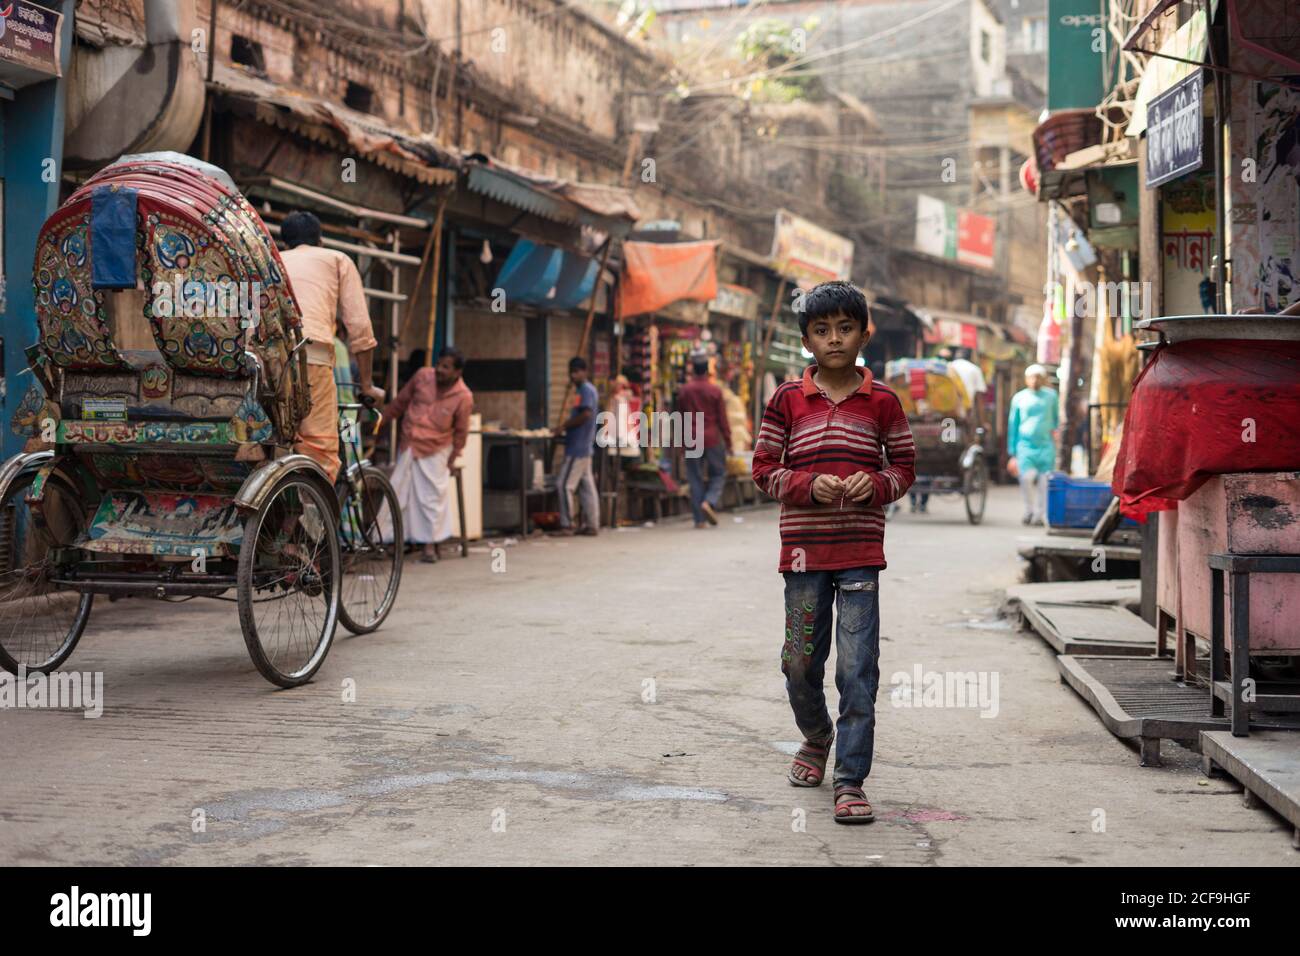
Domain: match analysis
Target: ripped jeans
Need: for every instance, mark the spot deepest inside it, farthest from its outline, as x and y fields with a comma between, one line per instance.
x=809, y=597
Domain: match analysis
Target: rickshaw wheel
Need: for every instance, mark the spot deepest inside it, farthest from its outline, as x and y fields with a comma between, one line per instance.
x=40, y=624
x=372, y=570
x=287, y=585
x=975, y=489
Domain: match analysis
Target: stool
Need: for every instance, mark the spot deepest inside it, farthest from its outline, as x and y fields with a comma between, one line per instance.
x=1239, y=568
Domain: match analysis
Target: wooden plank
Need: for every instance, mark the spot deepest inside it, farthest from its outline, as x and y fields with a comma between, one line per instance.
x=1136, y=700
x=1090, y=628
x=1265, y=763
x=1120, y=591
x=1079, y=548
x=1112, y=715
x=1097, y=622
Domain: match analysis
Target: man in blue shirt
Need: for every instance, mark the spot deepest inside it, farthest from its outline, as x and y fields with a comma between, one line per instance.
x=575, y=474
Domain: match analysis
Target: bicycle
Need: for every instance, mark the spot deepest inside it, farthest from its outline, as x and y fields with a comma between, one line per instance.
x=369, y=513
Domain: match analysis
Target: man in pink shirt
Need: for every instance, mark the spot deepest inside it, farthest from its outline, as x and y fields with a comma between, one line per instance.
x=434, y=408
x=326, y=284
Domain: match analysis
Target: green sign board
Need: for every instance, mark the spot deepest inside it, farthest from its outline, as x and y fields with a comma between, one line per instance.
x=1077, y=41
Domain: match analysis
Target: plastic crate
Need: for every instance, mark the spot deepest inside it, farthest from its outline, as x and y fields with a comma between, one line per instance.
x=1077, y=502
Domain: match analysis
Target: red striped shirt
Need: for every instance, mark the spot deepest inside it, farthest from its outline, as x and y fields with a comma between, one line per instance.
x=804, y=434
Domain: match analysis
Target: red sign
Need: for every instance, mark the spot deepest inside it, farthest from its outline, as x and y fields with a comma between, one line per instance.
x=975, y=237
x=970, y=336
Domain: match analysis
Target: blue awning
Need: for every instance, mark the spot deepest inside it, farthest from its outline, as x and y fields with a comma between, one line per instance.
x=576, y=282
x=547, y=277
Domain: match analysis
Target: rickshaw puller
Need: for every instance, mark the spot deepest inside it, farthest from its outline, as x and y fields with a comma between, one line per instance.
x=326, y=283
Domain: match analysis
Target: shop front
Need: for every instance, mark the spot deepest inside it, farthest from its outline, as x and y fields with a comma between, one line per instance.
x=32, y=95
x=1217, y=112
x=665, y=294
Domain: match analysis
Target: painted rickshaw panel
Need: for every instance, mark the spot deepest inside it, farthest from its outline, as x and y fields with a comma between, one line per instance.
x=164, y=524
x=163, y=441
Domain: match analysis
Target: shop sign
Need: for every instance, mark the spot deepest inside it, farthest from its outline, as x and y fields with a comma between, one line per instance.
x=1175, y=131
x=975, y=238
x=936, y=227
x=960, y=235
x=735, y=301
x=806, y=252
x=686, y=310
x=1077, y=39
x=29, y=43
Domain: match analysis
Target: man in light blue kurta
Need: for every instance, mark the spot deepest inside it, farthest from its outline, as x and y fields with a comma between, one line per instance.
x=1031, y=440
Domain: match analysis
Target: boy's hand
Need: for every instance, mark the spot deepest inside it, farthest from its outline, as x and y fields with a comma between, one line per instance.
x=859, y=487
x=826, y=488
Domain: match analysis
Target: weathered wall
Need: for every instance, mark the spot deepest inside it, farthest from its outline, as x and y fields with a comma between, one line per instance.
x=1265, y=205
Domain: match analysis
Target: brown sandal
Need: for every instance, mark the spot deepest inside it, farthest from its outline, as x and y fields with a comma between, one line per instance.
x=812, y=757
x=844, y=807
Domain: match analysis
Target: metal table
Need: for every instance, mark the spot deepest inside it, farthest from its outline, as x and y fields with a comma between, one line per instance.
x=1239, y=568
x=526, y=489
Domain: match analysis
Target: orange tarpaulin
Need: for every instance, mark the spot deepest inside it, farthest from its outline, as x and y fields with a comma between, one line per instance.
x=656, y=274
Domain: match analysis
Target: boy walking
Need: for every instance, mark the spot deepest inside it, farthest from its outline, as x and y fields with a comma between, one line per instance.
x=821, y=451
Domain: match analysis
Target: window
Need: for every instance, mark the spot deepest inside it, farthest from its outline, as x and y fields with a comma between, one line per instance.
x=1033, y=35
x=986, y=46
x=247, y=53
x=359, y=97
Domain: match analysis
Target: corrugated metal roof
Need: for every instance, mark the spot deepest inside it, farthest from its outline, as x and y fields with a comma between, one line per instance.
x=509, y=189
x=614, y=211
x=324, y=122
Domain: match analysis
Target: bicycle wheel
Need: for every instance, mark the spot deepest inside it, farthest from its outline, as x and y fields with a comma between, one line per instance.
x=40, y=623
x=372, y=570
x=287, y=584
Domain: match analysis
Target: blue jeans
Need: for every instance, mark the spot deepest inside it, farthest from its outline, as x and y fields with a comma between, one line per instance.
x=716, y=459
x=809, y=598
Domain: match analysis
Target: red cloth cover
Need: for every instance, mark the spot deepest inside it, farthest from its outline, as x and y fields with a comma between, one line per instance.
x=1203, y=408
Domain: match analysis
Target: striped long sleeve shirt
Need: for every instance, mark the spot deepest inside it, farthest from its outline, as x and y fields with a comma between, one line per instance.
x=805, y=434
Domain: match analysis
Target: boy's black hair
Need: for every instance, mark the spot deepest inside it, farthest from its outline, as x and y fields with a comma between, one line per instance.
x=700, y=365
x=577, y=362
x=300, y=228
x=457, y=356
x=834, y=298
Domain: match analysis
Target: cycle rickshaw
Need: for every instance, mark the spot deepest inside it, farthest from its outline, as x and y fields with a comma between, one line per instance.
x=167, y=470
x=949, y=446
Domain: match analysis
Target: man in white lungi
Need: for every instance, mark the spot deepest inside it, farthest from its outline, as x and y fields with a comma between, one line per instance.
x=434, y=408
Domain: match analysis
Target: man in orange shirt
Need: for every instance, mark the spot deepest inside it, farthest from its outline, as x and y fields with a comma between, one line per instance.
x=326, y=284
x=434, y=407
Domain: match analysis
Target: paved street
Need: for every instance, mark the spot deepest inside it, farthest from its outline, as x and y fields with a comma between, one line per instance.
x=500, y=719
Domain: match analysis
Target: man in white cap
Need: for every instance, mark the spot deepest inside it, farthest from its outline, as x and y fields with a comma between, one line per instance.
x=1031, y=441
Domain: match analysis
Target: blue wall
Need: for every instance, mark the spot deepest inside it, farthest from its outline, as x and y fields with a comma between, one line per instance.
x=31, y=131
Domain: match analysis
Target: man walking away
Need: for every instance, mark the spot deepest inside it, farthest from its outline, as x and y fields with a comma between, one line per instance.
x=575, y=474
x=703, y=400
x=434, y=408
x=1031, y=441
x=326, y=282
x=972, y=377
